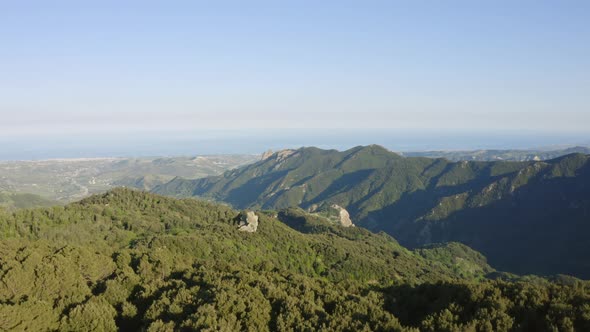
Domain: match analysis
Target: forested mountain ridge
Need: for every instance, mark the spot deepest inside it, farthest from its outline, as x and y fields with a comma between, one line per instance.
x=131, y=261
x=526, y=217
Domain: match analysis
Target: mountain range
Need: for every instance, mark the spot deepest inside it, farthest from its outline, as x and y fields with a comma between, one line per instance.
x=525, y=217
x=506, y=155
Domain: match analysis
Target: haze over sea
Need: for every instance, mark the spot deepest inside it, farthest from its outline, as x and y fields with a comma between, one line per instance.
x=255, y=141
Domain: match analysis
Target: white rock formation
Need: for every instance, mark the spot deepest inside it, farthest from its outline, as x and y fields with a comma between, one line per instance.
x=344, y=216
x=248, y=222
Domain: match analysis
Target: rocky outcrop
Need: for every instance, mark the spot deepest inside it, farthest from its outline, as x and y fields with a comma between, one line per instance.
x=248, y=222
x=344, y=216
x=283, y=154
x=266, y=155
x=279, y=155
x=333, y=212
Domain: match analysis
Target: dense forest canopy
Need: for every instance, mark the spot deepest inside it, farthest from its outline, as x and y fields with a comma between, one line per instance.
x=129, y=260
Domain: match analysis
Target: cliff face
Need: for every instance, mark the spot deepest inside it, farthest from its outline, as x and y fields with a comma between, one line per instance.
x=333, y=212
x=343, y=215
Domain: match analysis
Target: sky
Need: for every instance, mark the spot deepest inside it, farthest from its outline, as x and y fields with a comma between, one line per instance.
x=116, y=67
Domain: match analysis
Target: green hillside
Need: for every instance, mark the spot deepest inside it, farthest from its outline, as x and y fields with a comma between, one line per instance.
x=132, y=261
x=526, y=217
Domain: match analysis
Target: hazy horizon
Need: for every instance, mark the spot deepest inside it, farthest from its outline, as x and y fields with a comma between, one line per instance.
x=253, y=141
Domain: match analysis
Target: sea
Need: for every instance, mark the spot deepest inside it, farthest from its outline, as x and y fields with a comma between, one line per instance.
x=256, y=141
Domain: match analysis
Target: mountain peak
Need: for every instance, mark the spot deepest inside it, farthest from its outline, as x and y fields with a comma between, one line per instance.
x=376, y=148
x=279, y=155
x=372, y=149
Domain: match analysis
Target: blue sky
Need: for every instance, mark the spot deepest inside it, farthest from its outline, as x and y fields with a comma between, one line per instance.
x=96, y=66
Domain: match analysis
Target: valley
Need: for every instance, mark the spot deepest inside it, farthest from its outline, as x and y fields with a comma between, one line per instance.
x=68, y=180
